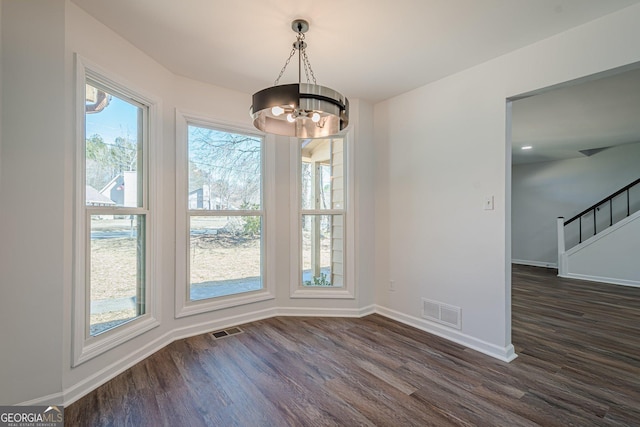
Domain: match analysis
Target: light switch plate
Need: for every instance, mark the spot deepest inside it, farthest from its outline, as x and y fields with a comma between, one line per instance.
x=488, y=203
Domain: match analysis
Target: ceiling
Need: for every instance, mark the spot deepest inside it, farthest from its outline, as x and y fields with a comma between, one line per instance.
x=577, y=120
x=366, y=49
x=377, y=49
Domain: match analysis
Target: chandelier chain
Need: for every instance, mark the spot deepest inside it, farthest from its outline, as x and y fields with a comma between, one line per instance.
x=307, y=64
x=293, y=52
x=308, y=71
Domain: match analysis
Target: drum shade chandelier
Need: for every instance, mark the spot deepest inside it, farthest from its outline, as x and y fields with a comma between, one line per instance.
x=303, y=110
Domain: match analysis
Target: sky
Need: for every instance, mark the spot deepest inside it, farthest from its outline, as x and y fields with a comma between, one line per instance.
x=118, y=119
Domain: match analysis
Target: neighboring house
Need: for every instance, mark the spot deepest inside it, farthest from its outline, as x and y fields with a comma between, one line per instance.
x=94, y=198
x=196, y=199
x=201, y=199
x=122, y=189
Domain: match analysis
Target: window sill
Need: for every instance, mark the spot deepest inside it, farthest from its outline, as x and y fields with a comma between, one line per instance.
x=96, y=345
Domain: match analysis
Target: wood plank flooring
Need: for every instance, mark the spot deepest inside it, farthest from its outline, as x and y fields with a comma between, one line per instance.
x=579, y=364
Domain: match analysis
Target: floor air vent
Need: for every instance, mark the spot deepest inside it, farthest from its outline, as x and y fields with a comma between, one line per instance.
x=226, y=332
x=444, y=314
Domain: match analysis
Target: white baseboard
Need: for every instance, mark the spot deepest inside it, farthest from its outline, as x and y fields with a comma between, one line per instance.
x=94, y=381
x=90, y=383
x=223, y=323
x=50, y=399
x=535, y=263
x=76, y=391
x=506, y=354
x=607, y=280
x=325, y=312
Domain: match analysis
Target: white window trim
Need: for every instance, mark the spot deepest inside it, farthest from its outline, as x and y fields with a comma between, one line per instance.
x=85, y=346
x=348, y=291
x=183, y=305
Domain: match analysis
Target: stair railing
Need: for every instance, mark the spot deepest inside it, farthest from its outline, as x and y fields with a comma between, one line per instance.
x=561, y=224
x=600, y=203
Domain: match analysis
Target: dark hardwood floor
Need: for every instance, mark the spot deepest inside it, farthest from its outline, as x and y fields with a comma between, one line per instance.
x=579, y=364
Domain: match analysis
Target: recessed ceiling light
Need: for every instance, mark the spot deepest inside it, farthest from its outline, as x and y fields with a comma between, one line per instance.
x=527, y=147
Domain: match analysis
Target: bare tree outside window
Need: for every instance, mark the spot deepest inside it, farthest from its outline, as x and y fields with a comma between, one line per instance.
x=227, y=166
x=225, y=212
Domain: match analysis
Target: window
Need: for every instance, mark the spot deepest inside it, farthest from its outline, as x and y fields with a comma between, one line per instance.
x=115, y=207
x=221, y=215
x=225, y=213
x=323, y=227
x=113, y=216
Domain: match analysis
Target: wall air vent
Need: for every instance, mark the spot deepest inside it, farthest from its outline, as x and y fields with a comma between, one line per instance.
x=444, y=314
x=430, y=309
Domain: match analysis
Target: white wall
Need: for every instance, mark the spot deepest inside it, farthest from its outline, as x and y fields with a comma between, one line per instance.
x=1, y=93
x=366, y=236
x=98, y=44
x=36, y=220
x=441, y=146
x=32, y=187
x=544, y=191
x=447, y=153
x=610, y=256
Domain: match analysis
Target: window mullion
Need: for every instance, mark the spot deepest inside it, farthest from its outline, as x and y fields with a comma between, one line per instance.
x=98, y=210
x=322, y=212
x=226, y=213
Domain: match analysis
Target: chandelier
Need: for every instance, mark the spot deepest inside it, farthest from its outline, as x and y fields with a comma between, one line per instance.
x=303, y=110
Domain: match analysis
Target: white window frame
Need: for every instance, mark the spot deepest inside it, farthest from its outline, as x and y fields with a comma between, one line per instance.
x=297, y=290
x=85, y=346
x=183, y=304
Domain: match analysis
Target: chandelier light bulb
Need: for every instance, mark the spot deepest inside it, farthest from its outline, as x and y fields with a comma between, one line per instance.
x=290, y=118
x=315, y=117
x=277, y=110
